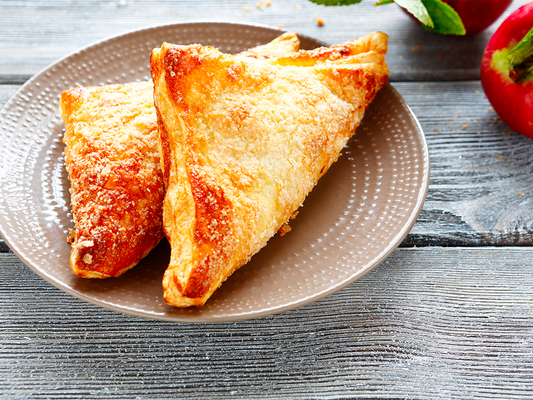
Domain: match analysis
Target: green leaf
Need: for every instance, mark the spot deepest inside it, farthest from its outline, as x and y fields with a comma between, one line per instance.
x=418, y=9
x=434, y=15
x=335, y=2
x=521, y=58
x=445, y=18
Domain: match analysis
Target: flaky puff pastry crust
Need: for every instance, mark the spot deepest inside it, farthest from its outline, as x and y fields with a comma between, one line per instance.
x=116, y=184
x=284, y=45
x=112, y=158
x=243, y=142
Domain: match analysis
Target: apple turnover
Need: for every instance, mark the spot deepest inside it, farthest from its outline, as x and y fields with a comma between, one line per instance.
x=112, y=159
x=244, y=141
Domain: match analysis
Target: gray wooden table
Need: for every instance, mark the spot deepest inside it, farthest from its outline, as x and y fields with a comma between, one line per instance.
x=448, y=315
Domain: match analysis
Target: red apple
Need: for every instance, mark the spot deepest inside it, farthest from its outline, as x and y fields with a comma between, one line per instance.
x=513, y=101
x=477, y=15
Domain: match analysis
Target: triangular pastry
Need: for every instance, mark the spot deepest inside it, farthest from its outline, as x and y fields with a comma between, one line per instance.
x=112, y=159
x=243, y=142
x=116, y=185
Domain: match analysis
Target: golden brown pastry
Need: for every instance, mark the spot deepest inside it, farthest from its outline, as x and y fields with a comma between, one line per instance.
x=112, y=159
x=243, y=143
x=285, y=44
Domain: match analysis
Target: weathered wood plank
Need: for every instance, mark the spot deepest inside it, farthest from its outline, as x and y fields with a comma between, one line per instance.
x=6, y=91
x=33, y=34
x=428, y=323
x=481, y=187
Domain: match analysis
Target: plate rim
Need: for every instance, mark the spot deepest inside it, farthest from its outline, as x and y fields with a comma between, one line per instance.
x=387, y=251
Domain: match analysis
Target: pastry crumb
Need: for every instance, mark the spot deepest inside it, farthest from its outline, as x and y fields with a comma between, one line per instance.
x=285, y=228
x=520, y=193
x=319, y=21
x=416, y=48
x=464, y=127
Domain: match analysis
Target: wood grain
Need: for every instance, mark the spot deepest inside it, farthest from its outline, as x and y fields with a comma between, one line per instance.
x=428, y=323
x=481, y=181
x=34, y=34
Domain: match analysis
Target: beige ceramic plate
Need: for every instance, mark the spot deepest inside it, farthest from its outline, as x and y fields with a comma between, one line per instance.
x=358, y=214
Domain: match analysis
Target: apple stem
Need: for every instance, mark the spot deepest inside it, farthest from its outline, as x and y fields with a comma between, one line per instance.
x=521, y=58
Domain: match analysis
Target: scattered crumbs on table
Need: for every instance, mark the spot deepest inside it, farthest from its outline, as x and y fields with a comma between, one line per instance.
x=491, y=125
x=499, y=120
x=487, y=120
x=424, y=107
x=440, y=130
x=319, y=21
x=476, y=91
x=479, y=133
x=260, y=5
x=500, y=156
x=528, y=305
x=246, y=9
x=491, y=109
x=453, y=130
x=520, y=193
x=459, y=116
x=464, y=127
x=298, y=7
x=160, y=305
x=451, y=123
x=509, y=132
x=280, y=26
x=416, y=48
x=421, y=85
x=268, y=3
x=400, y=57
x=443, y=156
x=475, y=121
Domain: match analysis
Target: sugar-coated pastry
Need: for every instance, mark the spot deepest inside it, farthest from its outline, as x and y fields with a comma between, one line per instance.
x=112, y=158
x=244, y=141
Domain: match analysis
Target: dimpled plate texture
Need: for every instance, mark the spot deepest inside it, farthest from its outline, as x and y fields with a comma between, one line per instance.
x=360, y=211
